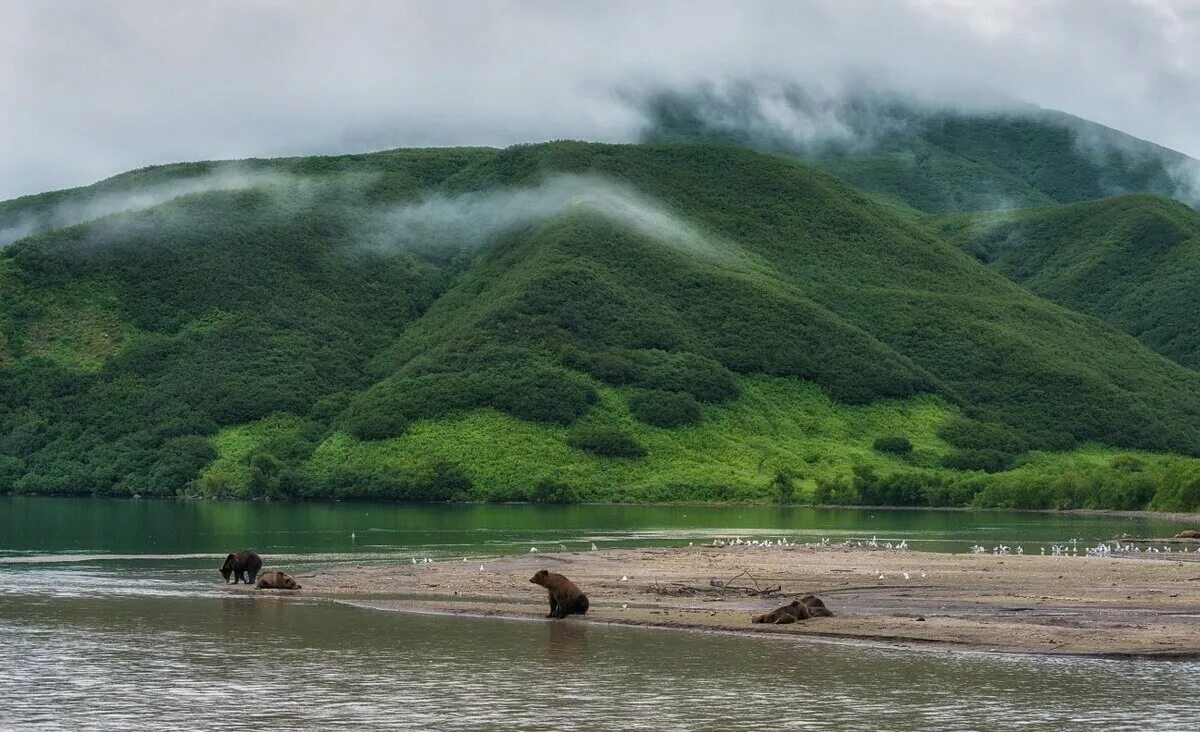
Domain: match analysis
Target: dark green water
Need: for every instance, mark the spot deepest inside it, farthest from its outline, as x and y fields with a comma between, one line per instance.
x=110, y=619
x=65, y=525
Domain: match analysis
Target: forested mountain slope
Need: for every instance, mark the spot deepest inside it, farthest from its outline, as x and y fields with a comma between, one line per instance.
x=324, y=326
x=1131, y=260
x=930, y=156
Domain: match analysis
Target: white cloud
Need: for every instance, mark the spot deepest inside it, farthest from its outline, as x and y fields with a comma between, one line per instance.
x=89, y=88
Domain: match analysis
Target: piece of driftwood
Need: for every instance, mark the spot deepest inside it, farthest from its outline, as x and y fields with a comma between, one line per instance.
x=716, y=587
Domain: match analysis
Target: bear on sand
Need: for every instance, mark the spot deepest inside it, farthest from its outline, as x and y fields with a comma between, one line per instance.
x=809, y=606
x=565, y=596
x=816, y=607
x=274, y=580
x=790, y=613
x=243, y=566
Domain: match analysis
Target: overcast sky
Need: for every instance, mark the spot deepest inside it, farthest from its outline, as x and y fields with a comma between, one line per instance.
x=89, y=88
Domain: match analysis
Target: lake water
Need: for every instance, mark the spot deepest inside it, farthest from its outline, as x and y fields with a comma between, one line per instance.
x=110, y=619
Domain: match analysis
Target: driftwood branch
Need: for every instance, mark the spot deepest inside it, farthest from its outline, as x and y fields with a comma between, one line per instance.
x=717, y=588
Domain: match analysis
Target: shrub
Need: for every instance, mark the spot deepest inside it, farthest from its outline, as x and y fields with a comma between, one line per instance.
x=263, y=476
x=835, y=491
x=376, y=425
x=783, y=485
x=898, y=445
x=539, y=393
x=549, y=490
x=989, y=461
x=897, y=489
x=444, y=481
x=1180, y=490
x=664, y=408
x=605, y=442
x=700, y=376
x=970, y=434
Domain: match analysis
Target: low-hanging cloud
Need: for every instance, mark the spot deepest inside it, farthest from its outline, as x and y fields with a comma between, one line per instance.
x=470, y=220
x=77, y=210
x=93, y=87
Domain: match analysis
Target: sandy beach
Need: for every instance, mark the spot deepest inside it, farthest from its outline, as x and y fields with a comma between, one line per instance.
x=1135, y=606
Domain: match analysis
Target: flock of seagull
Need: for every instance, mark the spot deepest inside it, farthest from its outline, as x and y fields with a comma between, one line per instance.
x=1068, y=549
x=783, y=543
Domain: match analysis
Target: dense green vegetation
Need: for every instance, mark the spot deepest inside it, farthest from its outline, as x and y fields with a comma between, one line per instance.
x=770, y=334
x=1131, y=260
x=931, y=158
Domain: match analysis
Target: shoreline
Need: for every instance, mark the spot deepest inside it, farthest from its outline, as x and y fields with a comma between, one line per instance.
x=1179, y=516
x=1101, y=607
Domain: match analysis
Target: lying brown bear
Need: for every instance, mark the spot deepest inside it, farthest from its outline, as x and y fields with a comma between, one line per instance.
x=816, y=607
x=243, y=565
x=809, y=606
x=790, y=613
x=273, y=580
x=565, y=596
x=1188, y=534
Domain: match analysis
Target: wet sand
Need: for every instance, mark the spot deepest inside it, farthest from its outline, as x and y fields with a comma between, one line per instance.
x=1136, y=606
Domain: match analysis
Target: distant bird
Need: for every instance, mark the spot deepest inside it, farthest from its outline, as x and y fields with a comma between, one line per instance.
x=881, y=575
x=922, y=574
x=464, y=560
x=624, y=578
x=351, y=536
x=906, y=575
x=532, y=549
x=625, y=606
x=593, y=546
x=414, y=559
x=481, y=568
x=690, y=544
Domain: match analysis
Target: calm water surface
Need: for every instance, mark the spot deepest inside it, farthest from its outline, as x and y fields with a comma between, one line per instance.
x=110, y=619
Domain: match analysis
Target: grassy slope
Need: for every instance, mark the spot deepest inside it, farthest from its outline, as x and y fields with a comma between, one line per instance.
x=776, y=424
x=1131, y=260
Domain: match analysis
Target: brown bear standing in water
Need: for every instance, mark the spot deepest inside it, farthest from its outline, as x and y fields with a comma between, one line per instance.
x=565, y=596
x=790, y=613
x=243, y=566
x=1188, y=534
x=816, y=607
x=273, y=580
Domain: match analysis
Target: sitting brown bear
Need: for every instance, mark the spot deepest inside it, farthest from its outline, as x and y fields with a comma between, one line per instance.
x=243, y=565
x=1188, y=534
x=790, y=613
x=816, y=607
x=274, y=580
x=565, y=596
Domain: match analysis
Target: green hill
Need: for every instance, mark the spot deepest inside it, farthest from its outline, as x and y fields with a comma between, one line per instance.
x=1133, y=261
x=553, y=322
x=928, y=156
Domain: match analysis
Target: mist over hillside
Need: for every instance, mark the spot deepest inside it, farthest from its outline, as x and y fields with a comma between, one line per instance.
x=934, y=155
